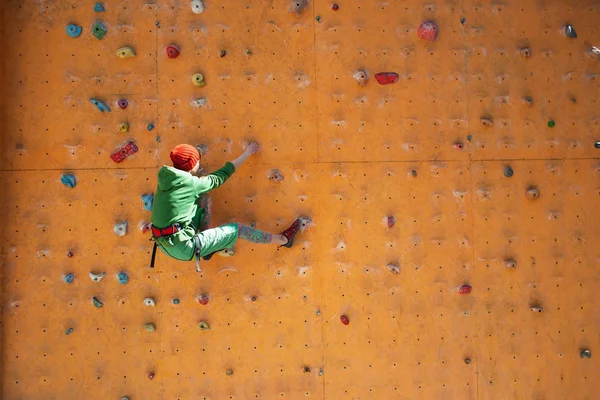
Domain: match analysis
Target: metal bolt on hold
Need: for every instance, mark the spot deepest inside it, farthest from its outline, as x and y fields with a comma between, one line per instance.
x=69, y=278
x=345, y=320
x=122, y=277
x=428, y=30
x=149, y=302
x=97, y=277
x=394, y=269
x=203, y=299
x=508, y=171
x=204, y=326
x=510, y=263
x=585, y=353
x=96, y=302
x=120, y=229
x=73, y=30
x=150, y=327
x=122, y=103
x=467, y=360
x=172, y=51
x=536, y=308
x=229, y=372
x=361, y=77
x=532, y=193
x=68, y=180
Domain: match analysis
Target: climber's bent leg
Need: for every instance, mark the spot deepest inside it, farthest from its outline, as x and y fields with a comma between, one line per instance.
x=205, y=212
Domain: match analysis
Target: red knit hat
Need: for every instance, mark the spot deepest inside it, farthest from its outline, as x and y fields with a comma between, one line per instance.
x=185, y=157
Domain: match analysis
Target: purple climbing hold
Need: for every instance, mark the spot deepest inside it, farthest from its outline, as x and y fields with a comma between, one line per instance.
x=123, y=103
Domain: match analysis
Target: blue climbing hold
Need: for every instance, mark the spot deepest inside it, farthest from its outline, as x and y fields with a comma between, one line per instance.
x=69, y=278
x=69, y=331
x=101, y=106
x=150, y=127
x=175, y=301
x=148, y=199
x=122, y=277
x=73, y=30
x=98, y=7
x=68, y=180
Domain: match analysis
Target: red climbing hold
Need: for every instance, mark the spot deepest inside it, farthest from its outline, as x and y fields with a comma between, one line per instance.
x=385, y=78
x=428, y=31
x=70, y=254
x=203, y=299
x=344, y=320
x=335, y=7
x=391, y=221
x=151, y=375
x=172, y=51
x=465, y=289
x=128, y=149
x=458, y=146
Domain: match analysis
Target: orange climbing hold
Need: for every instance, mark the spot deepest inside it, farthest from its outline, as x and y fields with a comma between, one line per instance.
x=428, y=31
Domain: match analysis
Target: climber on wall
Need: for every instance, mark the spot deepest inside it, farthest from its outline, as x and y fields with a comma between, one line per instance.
x=182, y=209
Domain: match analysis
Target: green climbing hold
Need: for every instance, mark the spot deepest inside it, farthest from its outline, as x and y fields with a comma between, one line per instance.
x=99, y=30
x=150, y=327
x=69, y=331
x=97, y=303
x=551, y=124
x=318, y=18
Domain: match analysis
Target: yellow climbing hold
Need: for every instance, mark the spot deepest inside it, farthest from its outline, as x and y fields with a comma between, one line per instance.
x=198, y=80
x=124, y=127
x=125, y=52
x=203, y=325
x=150, y=327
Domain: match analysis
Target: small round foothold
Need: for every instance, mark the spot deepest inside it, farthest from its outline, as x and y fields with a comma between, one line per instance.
x=361, y=77
x=73, y=30
x=394, y=269
x=532, y=193
x=508, y=171
x=464, y=289
x=96, y=302
x=570, y=31
x=585, y=353
x=198, y=80
x=253, y=298
x=197, y=6
x=335, y=7
x=463, y=20
x=537, y=309
x=151, y=375
x=320, y=371
x=469, y=138
x=124, y=398
x=528, y=100
x=467, y=360
x=150, y=327
x=486, y=121
x=597, y=145
x=124, y=127
x=510, y=263
x=391, y=221
x=525, y=52
x=175, y=301
x=345, y=320
x=120, y=229
x=318, y=312
x=248, y=52
x=203, y=299
x=122, y=277
x=428, y=31
x=204, y=326
x=551, y=124
x=229, y=372
x=98, y=7
x=172, y=51
x=69, y=278
x=223, y=53
x=318, y=18
x=149, y=302
x=306, y=369
x=69, y=331
x=70, y=254
x=150, y=127
x=458, y=146
x=123, y=103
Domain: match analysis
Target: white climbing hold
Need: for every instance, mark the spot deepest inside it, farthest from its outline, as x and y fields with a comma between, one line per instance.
x=197, y=6
x=97, y=277
x=120, y=229
x=149, y=302
x=199, y=102
x=394, y=269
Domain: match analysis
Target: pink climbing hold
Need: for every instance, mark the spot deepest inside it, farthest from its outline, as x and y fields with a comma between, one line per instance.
x=465, y=289
x=385, y=78
x=428, y=31
x=458, y=146
x=391, y=221
x=203, y=299
x=123, y=103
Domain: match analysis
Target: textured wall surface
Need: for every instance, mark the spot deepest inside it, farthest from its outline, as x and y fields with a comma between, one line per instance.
x=430, y=150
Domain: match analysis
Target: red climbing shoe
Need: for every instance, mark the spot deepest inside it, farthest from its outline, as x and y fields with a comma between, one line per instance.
x=291, y=232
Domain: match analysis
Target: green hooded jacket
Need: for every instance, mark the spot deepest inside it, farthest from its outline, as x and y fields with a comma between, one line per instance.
x=176, y=199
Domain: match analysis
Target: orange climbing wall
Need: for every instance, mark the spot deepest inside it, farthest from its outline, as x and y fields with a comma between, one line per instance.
x=351, y=156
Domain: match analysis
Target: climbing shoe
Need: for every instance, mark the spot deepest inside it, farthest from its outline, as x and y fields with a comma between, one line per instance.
x=291, y=232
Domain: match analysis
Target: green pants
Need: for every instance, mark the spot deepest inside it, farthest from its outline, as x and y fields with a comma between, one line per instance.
x=211, y=240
